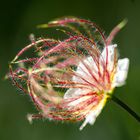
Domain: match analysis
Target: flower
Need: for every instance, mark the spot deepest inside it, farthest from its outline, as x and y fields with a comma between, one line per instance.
x=70, y=80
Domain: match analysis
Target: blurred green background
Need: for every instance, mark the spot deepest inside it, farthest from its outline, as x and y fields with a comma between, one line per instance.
x=18, y=18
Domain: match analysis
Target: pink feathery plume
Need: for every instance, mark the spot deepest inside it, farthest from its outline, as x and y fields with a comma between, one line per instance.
x=70, y=80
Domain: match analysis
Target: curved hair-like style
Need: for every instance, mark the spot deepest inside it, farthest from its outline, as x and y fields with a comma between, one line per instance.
x=70, y=80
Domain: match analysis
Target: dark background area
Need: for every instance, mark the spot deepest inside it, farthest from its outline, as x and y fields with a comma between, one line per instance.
x=19, y=18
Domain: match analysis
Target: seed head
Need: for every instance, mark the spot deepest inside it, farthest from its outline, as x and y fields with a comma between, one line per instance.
x=70, y=80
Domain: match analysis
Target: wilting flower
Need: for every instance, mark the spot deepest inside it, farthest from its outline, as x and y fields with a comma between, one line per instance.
x=70, y=80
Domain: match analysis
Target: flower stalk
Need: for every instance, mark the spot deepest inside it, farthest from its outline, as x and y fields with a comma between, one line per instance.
x=126, y=107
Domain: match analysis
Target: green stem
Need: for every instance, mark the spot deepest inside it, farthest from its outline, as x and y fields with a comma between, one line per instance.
x=126, y=107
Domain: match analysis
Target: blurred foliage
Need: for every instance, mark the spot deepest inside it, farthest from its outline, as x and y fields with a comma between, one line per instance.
x=19, y=18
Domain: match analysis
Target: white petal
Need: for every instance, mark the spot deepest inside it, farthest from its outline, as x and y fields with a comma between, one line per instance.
x=91, y=117
x=75, y=92
x=72, y=92
x=83, y=72
x=121, y=73
x=78, y=101
x=111, y=54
